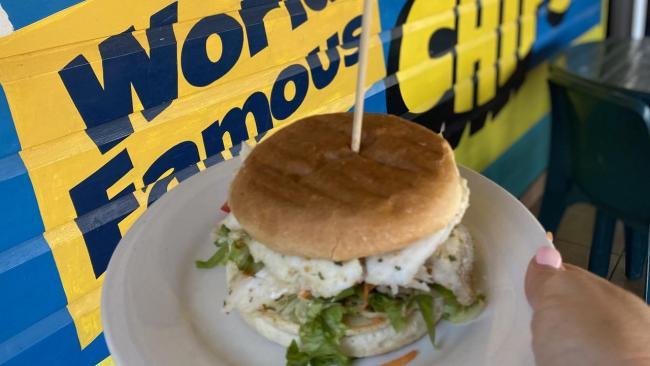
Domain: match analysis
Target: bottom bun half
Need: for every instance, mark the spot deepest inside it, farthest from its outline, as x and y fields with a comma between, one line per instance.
x=363, y=341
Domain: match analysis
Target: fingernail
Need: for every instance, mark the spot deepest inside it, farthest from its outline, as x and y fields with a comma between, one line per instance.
x=548, y=256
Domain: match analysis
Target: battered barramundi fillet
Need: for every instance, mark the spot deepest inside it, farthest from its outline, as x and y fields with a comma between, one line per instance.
x=451, y=265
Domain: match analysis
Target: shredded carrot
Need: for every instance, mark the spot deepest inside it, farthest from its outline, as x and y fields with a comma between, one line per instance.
x=403, y=360
x=366, y=291
x=377, y=320
x=372, y=321
x=225, y=208
x=305, y=294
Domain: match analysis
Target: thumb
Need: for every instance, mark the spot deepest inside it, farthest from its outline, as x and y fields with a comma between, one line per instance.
x=546, y=264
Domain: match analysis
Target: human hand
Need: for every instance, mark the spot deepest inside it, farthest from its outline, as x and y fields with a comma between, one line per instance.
x=581, y=319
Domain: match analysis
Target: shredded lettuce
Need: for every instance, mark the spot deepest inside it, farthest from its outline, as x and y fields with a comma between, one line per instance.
x=349, y=292
x=462, y=314
x=218, y=259
x=425, y=304
x=295, y=357
x=322, y=325
x=454, y=311
x=298, y=310
x=232, y=246
x=320, y=336
x=393, y=307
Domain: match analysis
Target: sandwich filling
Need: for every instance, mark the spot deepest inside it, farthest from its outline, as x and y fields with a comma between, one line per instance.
x=329, y=300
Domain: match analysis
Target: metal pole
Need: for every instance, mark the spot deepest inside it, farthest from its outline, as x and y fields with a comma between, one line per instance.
x=639, y=19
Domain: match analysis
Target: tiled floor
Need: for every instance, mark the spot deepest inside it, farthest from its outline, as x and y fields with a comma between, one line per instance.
x=573, y=238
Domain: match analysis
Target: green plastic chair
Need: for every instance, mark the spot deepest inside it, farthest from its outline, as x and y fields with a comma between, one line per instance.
x=600, y=153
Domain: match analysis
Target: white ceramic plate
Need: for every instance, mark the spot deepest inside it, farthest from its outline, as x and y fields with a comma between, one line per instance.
x=158, y=309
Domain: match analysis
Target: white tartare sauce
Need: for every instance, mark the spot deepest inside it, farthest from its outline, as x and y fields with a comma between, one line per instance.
x=249, y=293
x=324, y=278
x=398, y=268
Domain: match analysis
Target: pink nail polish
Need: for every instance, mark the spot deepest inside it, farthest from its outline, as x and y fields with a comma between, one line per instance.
x=548, y=256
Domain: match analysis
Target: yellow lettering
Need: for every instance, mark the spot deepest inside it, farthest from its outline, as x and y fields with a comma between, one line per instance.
x=508, y=59
x=558, y=6
x=426, y=60
x=510, y=11
x=477, y=51
x=528, y=26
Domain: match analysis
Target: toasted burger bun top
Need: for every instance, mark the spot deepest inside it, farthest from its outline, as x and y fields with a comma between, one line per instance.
x=304, y=192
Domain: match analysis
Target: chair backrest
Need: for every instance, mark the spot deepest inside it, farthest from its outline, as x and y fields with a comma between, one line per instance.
x=609, y=143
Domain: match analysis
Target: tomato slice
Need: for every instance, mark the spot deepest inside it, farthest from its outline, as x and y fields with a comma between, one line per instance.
x=225, y=208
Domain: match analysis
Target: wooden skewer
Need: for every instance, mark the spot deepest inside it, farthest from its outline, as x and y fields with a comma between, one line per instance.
x=361, y=76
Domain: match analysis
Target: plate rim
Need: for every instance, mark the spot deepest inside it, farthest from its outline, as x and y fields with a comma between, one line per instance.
x=115, y=272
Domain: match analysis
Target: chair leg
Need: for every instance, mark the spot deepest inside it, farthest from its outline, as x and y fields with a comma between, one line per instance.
x=558, y=179
x=601, y=244
x=552, y=209
x=556, y=194
x=636, y=250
